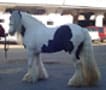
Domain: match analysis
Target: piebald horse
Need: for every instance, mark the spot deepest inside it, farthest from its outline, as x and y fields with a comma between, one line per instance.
x=38, y=38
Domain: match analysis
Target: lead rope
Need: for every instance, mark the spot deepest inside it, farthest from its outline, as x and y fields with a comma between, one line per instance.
x=5, y=46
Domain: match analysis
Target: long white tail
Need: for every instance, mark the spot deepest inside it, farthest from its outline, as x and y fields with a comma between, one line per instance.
x=89, y=67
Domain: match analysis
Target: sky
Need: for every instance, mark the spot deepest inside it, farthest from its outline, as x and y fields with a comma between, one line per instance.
x=92, y=3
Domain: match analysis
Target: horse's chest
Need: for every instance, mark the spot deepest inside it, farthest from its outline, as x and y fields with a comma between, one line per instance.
x=60, y=41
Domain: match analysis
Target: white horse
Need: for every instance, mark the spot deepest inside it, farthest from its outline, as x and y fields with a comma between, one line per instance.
x=71, y=38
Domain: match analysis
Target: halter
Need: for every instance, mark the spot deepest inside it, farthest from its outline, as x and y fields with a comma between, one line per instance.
x=22, y=27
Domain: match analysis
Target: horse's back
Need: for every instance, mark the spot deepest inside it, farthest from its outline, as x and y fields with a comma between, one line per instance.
x=78, y=34
x=65, y=38
x=49, y=40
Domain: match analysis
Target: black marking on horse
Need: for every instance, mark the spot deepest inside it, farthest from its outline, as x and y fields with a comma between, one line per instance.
x=78, y=51
x=23, y=31
x=61, y=41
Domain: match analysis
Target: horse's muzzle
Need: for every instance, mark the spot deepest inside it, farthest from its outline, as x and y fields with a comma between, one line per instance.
x=11, y=33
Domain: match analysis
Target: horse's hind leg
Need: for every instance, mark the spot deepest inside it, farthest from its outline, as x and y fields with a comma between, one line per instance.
x=87, y=72
x=77, y=79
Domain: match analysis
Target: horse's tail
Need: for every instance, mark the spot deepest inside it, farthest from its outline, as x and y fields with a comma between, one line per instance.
x=89, y=67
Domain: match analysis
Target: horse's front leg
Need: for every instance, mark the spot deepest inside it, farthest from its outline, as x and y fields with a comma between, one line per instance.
x=31, y=75
x=36, y=68
x=42, y=70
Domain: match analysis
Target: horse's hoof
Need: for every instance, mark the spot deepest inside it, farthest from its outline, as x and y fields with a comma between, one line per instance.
x=27, y=78
x=76, y=83
x=43, y=76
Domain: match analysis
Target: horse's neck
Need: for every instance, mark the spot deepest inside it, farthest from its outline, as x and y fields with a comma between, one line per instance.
x=30, y=21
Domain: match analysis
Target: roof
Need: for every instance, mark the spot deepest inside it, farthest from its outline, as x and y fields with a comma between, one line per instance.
x=98, y=3
x=90, y=5
x=65, y=3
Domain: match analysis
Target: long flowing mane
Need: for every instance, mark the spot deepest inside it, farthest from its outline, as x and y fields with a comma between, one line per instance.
x=31, y=17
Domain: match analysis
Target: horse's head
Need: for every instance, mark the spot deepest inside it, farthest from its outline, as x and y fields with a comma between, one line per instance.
x=15, y=22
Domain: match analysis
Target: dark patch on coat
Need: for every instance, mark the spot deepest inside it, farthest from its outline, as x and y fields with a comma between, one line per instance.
x=79, y=49
x=23, y=31
x=61, y=41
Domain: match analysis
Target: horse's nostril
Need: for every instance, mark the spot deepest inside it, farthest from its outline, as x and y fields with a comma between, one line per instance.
x=11, y=33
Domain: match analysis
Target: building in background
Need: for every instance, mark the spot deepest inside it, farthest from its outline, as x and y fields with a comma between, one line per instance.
x=80, y=12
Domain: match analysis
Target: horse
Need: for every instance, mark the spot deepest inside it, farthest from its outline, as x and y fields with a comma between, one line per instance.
x=38, y=38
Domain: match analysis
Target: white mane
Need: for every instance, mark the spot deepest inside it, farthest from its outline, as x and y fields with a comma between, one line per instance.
x=31, y=17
